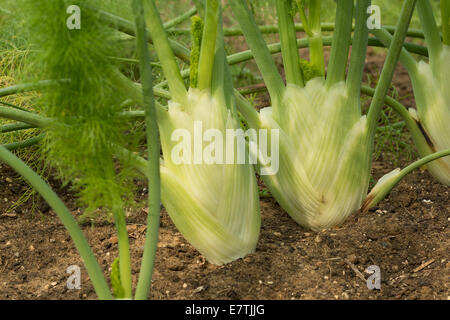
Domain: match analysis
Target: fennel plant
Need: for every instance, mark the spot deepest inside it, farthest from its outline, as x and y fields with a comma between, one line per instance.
x=325, y=142
x=215, y=206
x=429, y=122
x=83, y=129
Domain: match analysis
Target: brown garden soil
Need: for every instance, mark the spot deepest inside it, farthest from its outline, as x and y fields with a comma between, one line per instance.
x=406, y=235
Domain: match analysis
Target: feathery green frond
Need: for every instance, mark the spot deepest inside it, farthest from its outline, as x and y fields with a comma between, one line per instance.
x=86, y=106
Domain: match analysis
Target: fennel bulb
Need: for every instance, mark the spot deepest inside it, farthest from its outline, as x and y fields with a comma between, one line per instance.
x=432, y=93
x=324, y=154
x=215, y=206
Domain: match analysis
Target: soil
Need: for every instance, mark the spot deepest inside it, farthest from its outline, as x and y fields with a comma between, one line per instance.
x=406, y=235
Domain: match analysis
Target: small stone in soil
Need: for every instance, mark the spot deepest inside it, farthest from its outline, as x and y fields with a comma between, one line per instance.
x=352, y=258
x=199, y=289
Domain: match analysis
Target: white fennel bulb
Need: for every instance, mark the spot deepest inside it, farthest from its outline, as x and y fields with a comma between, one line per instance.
x=215, y=206
x=324, y=154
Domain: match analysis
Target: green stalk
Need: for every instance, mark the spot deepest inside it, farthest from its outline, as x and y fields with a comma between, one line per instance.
x=341, y=40
x=26, y=87
x=445, y=12
x=24, y=116
x=419, y=163
x=301, y=43
x=260, y=51
x=200, y=5
x=207, y=51
x=124, y=250
x=413, y=127
x=127, y=27
x=12, y=106
x=24, y=144
x=249, y=91
x=11, y=127
x=228, y=88
x=389, y=66
x=303, y=17
x=180, y=19
x=126, y=85
x=247, y=110
x=134, y=61
x=196, y=40
x=37, y=121
x=315, y=39
x=90, y=262
x=222, y=81
x=291, y=58
x=165, y=55
x=359, y=50
x=389, y=181
x=161, y=93
x=405, y=57
x=133, y=91
x=20, y=88
x=299, y=27
x=431, y=31
x=151, y=240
